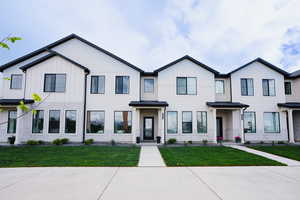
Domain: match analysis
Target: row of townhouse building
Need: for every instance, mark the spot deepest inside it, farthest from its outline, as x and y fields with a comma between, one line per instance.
x=88, y=92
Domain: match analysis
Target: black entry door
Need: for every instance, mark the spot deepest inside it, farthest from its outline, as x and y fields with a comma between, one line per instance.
x=148, y=128
x=219, y=127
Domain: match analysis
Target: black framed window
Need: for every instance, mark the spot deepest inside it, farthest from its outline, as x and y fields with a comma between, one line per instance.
x=148, y=85
x=97, y=84
x=271, y=122
x=38, y=121
x=247, y=88
x=201, y=122
x=288, y=88
x=70, y=121
x=220, y=87
x=186, y=85
x=249, y=122
x=268, y=87
x=172, y=122
x=16, y=81
x=55, y=83
x=122, y=85
x=12, y=121
x=95, y=121
x=187, y=122
x=122, y=122
x=54, y=121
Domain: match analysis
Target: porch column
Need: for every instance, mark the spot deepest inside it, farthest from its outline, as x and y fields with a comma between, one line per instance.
x=242, y=126
x=19, y=126
x=161, y=124
x=214, y=125
x=136, y=120
x=291, y=126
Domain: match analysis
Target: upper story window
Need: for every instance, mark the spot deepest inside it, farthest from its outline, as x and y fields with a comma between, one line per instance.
x=186, y=85
x=148, y=85
x=247, y=88
x=268, y=87
x=288, y=88
x=122, y=85
x=97, y=84
x=16, y=81
x=55, y=83
x=220, y=87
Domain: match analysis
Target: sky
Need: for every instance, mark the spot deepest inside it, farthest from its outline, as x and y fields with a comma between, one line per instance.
x=223, y=34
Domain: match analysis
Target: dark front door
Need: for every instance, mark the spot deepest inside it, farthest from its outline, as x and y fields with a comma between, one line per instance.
x=148, y=128
x=219, y=127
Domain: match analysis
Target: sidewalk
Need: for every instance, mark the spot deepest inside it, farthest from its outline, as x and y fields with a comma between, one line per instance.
x=287, y=161
x=150, y=157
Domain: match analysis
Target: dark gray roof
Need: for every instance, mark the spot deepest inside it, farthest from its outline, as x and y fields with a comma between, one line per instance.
x=262, y=61
x=15, y=101
x=226, y=104
x=65, y=39
x=295, y=74
x=149, y=103
x=190, y=59
x=290, y=105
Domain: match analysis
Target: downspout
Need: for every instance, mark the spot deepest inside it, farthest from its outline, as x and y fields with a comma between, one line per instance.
x=24, y=71
x=288, y=127
x=84, y=105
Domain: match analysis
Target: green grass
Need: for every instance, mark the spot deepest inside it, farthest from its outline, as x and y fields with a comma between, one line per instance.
x=212, y=156
x=48, y=156
x=292, y=152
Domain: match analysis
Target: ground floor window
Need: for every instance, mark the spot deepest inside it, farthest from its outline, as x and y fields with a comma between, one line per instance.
x=54, y=121
x=271, y=122
x=12, y=121
x=95, y=122
x=172, y=126
x=38, y=121
x=249, y=122
x=187, y=122
x=122, y=122
x=70, y=121
x=201, y=122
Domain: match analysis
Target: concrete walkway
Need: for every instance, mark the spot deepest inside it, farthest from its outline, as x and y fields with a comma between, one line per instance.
x=148, y=183
x=150, y=157
x=288, y=162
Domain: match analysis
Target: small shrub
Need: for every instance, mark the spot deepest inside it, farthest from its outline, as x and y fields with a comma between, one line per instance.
x=171, y=141
x=185, y=143
x=190, y=142
x=57, y=142
x=237, y=139
x=88, y=141
x=11, y=140
x=64, y=140
x=261, y=142
x=113, y=143
x=41, y=142
x=247, y=142
x=281, y=142
x=32, y=142
x=204, y=142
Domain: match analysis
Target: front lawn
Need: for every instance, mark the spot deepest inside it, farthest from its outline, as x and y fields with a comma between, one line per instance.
x=292, y=152
x=48, y=156
x=212, y=156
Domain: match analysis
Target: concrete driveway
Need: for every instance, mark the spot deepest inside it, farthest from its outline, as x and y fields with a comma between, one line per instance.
x=151, y=183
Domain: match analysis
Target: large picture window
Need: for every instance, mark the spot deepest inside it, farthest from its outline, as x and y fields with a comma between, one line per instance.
x=271, y=122
x=16, y=81
x=95, y=121
x=55, y=83
x=70, y=121
x=122, y=84
x=54, y=121
x=38, y=121
x=97, y=84
x=249, y=122
x=268, y=87
x=247, y=88
x=172, y=126
x=201, y=122
x=123, y=122
x=12, y=121
x=186, y=85
x=187, y=122
x=220, y=87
